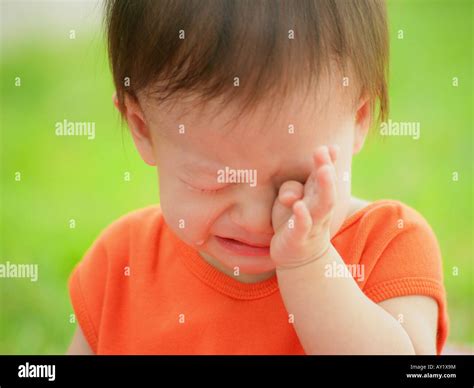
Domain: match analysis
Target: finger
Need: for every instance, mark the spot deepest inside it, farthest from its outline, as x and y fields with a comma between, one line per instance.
x=303, y=221
x=321, y=156
x=320, y=203
x=327, y=192
x=280, y=214
x=334, y=150
x=289, y=192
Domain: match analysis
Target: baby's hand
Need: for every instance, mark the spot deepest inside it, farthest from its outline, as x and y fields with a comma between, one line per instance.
x=301, y=214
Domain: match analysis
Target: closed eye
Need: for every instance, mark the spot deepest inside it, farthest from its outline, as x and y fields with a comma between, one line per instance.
x=203, y=190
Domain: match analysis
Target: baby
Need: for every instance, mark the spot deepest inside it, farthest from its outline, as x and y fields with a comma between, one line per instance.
x=251, y=113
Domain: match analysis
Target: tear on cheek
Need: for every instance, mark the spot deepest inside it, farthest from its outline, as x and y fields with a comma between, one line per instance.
x=199, y=242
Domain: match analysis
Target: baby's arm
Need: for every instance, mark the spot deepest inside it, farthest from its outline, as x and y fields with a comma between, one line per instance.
x=333, y=315
x=79, y=345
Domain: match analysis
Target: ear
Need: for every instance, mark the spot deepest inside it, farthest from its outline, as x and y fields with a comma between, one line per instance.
x=141, y=134
x=362, y=122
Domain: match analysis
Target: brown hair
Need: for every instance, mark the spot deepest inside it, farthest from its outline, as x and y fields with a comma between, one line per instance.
x=171, y=47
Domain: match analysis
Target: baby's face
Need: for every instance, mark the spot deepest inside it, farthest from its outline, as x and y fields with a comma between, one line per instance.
x=219, y=179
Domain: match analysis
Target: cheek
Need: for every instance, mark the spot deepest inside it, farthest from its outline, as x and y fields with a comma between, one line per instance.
x=190, y=215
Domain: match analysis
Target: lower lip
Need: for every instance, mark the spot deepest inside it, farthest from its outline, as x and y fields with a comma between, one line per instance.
x=242, y=249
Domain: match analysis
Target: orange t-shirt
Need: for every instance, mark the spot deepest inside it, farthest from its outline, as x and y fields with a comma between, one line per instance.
x=141, y=290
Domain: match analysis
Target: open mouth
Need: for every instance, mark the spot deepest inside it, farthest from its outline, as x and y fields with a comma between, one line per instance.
x=243, y=249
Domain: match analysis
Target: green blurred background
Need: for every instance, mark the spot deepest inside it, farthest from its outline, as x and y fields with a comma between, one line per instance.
x=64, y=178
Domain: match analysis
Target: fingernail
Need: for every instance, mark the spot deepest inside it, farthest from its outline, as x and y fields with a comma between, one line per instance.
x=287, y=194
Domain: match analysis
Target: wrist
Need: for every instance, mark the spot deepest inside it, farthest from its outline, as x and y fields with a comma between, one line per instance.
x=302, y=263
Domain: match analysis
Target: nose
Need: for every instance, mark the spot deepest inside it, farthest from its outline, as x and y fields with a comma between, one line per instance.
x=252, y=211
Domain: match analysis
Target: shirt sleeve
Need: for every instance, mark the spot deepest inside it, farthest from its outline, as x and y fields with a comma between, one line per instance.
x=87, y=285
x=410, y=264
x=100, y=285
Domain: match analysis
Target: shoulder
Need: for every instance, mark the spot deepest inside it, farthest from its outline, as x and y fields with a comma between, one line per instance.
x=126, y=244
x=140, y=218
x=400, y=257
x=393, y=241
x=387, y=226
x=385, y=216
x=137, y=226
x=129, y=239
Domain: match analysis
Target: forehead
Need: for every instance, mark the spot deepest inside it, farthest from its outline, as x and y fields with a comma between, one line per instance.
x=274, y=134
